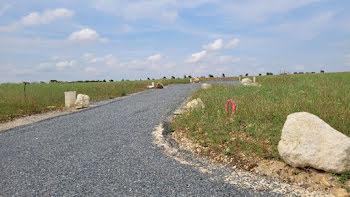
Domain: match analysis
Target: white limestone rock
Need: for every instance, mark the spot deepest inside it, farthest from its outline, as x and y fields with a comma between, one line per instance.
x=246, y=81
x=82, y=101
x=195, y=80
x=309, y=141
x=194, y=104
x=206, y=86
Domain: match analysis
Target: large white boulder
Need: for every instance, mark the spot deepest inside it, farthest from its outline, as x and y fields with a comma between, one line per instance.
x=309, y=141
x=205, y=86
x=195, y=103
x=246, y=81
x=82, y=101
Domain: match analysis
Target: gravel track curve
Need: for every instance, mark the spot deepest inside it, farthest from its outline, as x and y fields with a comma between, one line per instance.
x=105, y=150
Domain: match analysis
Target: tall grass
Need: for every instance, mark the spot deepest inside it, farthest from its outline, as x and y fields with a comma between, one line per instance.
x=261, y=112
x=37, y=97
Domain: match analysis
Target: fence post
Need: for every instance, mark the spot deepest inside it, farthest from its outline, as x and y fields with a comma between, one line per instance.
x=69, y=98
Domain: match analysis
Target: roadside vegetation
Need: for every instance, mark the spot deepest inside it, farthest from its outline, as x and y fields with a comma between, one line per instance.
x=255, y=130
x=15, y=102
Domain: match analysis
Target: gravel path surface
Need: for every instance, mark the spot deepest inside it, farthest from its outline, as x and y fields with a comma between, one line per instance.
x=105, y=150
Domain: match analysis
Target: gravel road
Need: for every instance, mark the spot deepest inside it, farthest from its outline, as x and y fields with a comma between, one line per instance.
x=105, y=150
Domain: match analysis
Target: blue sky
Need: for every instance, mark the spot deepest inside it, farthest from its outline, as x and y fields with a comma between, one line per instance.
x=115, y=39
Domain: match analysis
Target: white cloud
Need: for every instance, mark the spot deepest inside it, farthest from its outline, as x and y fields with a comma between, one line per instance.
x=201, y=70
x=4, y=9
x=9, y=28
x=261, y=10
x=108, y=59
x=155, y=57
x=36, y=18
x=165, y=10
x=299, y=67
x=222, y=69
x=215, y=46
x=232, y=44
x=85, y=35
x=133, y=10
x=54, y=66
x=305, y=29
x=90, y=69
x=197, y=57
x=46, y=66
x=228, y=59
x=65, y=64
x=126, y=28
x=347, y=60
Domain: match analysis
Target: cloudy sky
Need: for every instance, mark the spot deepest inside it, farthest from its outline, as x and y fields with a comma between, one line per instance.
x=135, y=39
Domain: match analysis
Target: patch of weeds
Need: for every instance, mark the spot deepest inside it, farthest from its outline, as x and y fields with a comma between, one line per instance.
x=13, y=103
x=347, y=188
x=344, y=177
x=255, y=129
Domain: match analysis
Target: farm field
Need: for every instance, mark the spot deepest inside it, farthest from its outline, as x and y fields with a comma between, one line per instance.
x=15, y=103
x=255, y=130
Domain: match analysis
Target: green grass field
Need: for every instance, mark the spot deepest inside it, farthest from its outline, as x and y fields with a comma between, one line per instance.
x=14, y=103
x=261, y=112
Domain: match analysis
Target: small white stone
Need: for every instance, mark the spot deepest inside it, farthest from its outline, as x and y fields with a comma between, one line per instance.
x=195, y=103
x=206, y=86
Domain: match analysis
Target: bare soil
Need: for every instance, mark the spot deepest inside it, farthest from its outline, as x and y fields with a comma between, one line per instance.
x=308, y=178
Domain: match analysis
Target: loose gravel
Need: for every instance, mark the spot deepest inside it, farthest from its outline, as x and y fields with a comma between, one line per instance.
x=105, y=150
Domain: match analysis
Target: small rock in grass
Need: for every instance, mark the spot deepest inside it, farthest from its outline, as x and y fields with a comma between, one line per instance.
x=308, y=141
x=159, y=85
x=195, y=103
x=51, y=107
x=195, y=80
x=246, y=81
x=205, y=86
x=82, y=101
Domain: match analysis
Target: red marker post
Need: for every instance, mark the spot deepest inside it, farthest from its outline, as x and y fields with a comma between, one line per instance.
x=233, y=106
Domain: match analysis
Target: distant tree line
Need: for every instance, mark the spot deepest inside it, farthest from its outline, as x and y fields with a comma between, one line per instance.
x=172, y=77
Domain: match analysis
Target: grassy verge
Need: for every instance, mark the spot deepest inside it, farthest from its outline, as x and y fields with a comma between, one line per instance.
x=14, y=103
x=255, y=130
